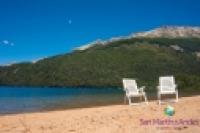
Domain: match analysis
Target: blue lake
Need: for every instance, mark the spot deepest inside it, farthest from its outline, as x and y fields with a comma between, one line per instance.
x=29, y=99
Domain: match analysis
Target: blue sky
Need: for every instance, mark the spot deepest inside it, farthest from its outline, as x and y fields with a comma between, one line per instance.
x=32, y=29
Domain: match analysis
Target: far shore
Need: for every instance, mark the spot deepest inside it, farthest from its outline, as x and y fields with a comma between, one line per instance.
x=56, y=86
x=107, y=119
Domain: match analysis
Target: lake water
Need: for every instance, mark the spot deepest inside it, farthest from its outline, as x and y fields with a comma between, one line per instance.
x=28, y=99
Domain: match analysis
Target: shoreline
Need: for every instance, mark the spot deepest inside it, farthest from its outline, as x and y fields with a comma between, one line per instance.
x=107, y=119
x=89, y=106
x=57, y=86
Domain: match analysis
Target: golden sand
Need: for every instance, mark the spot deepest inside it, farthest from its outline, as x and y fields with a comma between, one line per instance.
x=107, y=119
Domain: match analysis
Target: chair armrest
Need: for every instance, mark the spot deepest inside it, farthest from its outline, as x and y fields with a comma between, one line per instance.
x=176, y=86
x=158, y=88
x=141, y=89
x=126, y=91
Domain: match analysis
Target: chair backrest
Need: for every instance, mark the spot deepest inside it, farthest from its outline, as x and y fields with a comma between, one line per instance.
x=130, y=85
x=167, y=83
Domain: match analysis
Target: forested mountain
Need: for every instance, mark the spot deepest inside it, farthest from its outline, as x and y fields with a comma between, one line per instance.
x=141, y=58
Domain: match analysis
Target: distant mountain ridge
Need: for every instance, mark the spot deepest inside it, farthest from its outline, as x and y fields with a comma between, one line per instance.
x=161, y=32
x=171, y=32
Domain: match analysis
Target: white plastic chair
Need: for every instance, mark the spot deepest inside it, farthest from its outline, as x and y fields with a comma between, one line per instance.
x=131, y=91
x=167, y=86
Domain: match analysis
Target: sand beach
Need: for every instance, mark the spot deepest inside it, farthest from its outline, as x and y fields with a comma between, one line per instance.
x=109, y=119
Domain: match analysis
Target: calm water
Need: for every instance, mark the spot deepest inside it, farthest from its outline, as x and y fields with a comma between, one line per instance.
x=23, y=99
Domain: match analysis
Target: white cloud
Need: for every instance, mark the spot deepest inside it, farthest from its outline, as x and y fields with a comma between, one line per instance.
x=69, y=21
x=12, y=44
x=7, y=43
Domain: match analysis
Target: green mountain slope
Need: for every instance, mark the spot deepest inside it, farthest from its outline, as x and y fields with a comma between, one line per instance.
x=144, y=59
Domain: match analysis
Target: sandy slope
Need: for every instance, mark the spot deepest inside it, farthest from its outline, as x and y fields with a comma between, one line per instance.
x=109, y=119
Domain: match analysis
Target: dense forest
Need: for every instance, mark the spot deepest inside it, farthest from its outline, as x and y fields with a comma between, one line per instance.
x=144, y=59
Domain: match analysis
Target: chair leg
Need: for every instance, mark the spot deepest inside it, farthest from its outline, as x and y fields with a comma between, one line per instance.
x=145, y=98
x=124, y=99
x=129, y=100
x=176, y=96
x=141, y=98
x=159, y=98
